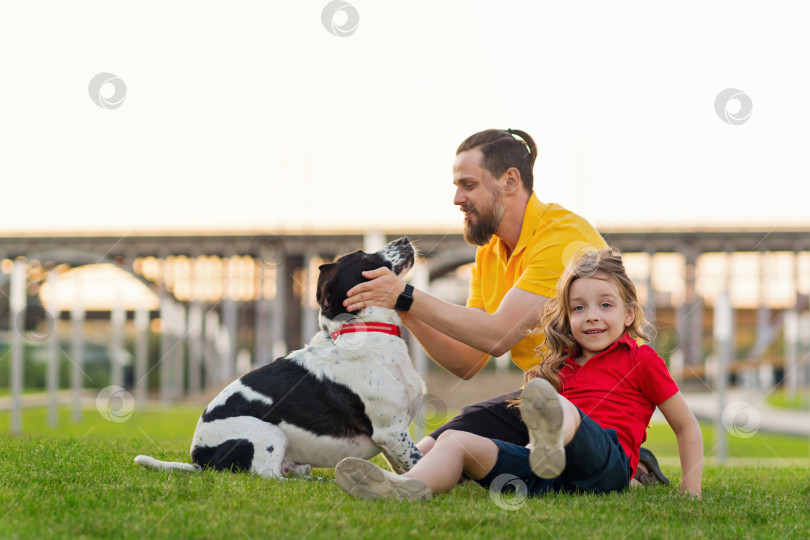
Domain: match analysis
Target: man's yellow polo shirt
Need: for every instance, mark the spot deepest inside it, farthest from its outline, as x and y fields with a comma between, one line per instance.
x=550, y=237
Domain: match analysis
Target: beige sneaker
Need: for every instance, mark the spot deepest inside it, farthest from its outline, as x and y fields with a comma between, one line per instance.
x=364, y=480
x=542, y=413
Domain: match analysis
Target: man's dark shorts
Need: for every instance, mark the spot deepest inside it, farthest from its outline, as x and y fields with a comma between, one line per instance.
x=595, y=463
x=492, y=419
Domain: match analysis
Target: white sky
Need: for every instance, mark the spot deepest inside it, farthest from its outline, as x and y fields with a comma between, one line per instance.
x=250, y=115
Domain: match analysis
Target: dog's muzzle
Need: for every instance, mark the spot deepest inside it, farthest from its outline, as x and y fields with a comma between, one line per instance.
x=400, y=253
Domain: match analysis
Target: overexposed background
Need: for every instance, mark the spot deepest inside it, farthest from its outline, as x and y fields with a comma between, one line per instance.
x=252, y=115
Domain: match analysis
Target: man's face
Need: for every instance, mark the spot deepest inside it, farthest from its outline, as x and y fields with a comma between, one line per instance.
x=477, y=196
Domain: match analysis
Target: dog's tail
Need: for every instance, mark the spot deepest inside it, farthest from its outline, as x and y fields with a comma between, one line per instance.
x=152, y=463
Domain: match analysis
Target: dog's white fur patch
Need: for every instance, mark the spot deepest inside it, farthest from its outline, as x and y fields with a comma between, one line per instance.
x=237, y=387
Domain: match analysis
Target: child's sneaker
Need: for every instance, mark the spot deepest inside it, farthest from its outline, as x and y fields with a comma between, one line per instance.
x=542, y=413
x=364, y=480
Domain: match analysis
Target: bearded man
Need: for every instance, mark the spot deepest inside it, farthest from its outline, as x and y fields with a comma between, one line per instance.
x=524, y=246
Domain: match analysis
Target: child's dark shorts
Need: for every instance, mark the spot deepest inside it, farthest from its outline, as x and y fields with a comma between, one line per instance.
x=595, y=462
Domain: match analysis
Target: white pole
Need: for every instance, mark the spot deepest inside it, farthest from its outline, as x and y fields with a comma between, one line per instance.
x=791, y=352
x=309, y=309
x=77, y=314
x=53, y=353
x=373, y=241
x=722, y=339
x=230, y=319
x=179, y=353
x=117, y=319
x=279, y=311
x=141, y=353
x=195, y=347
x=210, y=349
x=165, y=350
x=17, y=304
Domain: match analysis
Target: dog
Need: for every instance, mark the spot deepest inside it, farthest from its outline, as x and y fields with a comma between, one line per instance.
x=351, y=392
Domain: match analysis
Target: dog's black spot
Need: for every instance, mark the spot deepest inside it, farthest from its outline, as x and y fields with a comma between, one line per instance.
x=335, y=279
x=270, y=449
x=299, y=398
x=232, y=455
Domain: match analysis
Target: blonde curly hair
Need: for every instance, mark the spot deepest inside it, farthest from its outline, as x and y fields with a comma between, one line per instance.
x=559, y=341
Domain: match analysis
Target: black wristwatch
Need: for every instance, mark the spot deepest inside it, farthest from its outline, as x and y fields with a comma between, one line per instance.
x=405, y=299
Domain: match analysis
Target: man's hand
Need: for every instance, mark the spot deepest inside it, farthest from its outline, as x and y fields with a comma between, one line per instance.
x=383, y=290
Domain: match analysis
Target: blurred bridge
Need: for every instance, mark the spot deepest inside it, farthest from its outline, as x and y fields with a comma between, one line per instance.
x=226, y=301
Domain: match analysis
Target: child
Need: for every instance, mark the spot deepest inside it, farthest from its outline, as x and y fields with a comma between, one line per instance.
x=588, y=437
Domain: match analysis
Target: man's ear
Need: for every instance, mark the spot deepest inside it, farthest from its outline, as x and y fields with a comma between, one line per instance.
x=511, y=181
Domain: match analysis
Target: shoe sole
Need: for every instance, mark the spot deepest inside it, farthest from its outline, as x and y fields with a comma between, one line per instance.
x=542, y=413
x=364, y=480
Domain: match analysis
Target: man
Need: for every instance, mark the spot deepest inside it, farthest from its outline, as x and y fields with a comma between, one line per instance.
x=524, y=245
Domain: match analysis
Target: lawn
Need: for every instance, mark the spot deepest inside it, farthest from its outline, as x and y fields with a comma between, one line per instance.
x=79, y=481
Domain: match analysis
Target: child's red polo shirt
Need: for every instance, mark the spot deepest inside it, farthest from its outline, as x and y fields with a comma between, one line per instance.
x=619, y=388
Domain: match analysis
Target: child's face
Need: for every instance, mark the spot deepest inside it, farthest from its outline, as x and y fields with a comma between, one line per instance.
x=597, y=313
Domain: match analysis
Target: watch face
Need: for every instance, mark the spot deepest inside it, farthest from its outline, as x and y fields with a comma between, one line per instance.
x=405, y=299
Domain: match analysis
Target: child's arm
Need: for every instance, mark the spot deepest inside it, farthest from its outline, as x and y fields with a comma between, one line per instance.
x=690, y=442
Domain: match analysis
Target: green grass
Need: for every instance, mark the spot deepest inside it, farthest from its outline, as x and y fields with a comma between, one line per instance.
x=79, y=481
x=800, y=401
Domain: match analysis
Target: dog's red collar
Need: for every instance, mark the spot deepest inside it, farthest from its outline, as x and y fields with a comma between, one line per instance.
x=351, y=328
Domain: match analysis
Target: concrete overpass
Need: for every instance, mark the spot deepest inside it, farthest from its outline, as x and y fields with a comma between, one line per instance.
x=274, y=311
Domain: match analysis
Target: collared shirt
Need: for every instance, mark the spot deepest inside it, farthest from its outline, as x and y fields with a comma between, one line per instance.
x=550, y=237
x=619, y=389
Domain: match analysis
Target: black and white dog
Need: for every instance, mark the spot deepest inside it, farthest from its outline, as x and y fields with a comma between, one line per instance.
x=350, y=392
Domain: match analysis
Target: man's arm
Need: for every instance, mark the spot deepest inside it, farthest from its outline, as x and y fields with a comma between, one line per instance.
x=454, y=336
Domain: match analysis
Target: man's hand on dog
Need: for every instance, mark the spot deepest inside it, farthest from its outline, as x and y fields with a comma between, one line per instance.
x=383, y=290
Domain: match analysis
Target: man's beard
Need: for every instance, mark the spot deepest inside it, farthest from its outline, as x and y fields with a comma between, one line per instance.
x=487, y=221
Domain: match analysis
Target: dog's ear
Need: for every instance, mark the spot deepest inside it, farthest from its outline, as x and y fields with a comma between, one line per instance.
x=327, y=275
